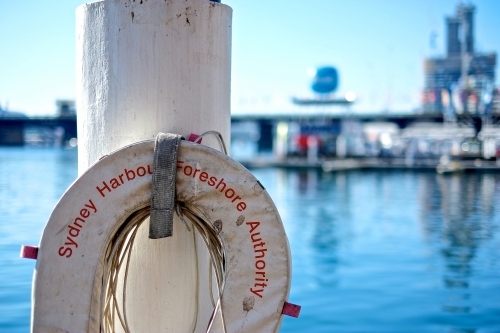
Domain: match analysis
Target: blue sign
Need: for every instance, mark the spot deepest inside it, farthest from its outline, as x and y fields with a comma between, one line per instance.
x=326, y=80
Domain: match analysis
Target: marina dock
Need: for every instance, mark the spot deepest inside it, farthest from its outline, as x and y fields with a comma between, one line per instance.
x=372, y=163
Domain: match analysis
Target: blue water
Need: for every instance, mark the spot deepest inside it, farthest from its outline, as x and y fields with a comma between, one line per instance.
x=372, y=251
x=31, y=182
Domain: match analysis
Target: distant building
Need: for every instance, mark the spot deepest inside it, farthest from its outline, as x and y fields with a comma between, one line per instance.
x=66, y=108
x=463, y=81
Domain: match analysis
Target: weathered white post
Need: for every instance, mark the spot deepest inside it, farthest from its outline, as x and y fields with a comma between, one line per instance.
x=143, y=67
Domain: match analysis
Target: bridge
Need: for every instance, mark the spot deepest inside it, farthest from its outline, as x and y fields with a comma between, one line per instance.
x=13, y=129
x=326, y=121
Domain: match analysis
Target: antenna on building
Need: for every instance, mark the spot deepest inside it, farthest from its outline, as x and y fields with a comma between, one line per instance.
x=432, y=40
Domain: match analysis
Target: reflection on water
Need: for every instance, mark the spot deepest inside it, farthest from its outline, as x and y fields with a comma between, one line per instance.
x=31, y=182
x=460, y=218
x=391, y=251
x=372, y=251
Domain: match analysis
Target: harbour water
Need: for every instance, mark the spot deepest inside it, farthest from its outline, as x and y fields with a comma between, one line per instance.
x=373, y=251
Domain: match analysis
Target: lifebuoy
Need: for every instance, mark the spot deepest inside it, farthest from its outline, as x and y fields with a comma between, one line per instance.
x=79, y=231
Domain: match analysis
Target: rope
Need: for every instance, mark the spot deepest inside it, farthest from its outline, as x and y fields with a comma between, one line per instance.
x=217, y=135
x=113, y=312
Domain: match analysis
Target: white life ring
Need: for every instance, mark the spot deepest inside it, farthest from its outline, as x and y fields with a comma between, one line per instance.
x=100, y=201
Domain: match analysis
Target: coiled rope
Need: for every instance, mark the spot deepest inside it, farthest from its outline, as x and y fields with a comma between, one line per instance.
x=114, y=312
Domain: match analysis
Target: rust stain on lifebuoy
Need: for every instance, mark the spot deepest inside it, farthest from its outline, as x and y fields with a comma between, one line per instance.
x=240, y=220
x=218, y=226
x=248, y=303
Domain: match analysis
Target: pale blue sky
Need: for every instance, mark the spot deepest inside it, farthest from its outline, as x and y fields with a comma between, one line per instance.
x=378, y=46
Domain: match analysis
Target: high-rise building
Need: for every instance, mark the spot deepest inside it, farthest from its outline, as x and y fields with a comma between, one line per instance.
x=463, y=81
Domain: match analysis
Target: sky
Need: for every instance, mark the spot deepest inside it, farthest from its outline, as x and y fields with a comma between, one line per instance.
x=377, y=46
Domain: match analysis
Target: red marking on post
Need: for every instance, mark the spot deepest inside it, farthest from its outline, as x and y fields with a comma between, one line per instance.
x=193, y=137
x=29, y=252
x=291, y=310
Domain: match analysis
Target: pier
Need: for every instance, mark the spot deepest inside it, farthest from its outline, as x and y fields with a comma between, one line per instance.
x=329, y=122
x=326, y=127
x=13, y=130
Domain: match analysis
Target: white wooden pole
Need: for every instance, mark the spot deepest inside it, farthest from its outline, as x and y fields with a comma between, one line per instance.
x=143, y=67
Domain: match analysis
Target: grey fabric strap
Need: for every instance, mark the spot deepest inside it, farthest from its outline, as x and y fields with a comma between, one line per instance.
x=163, y=185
